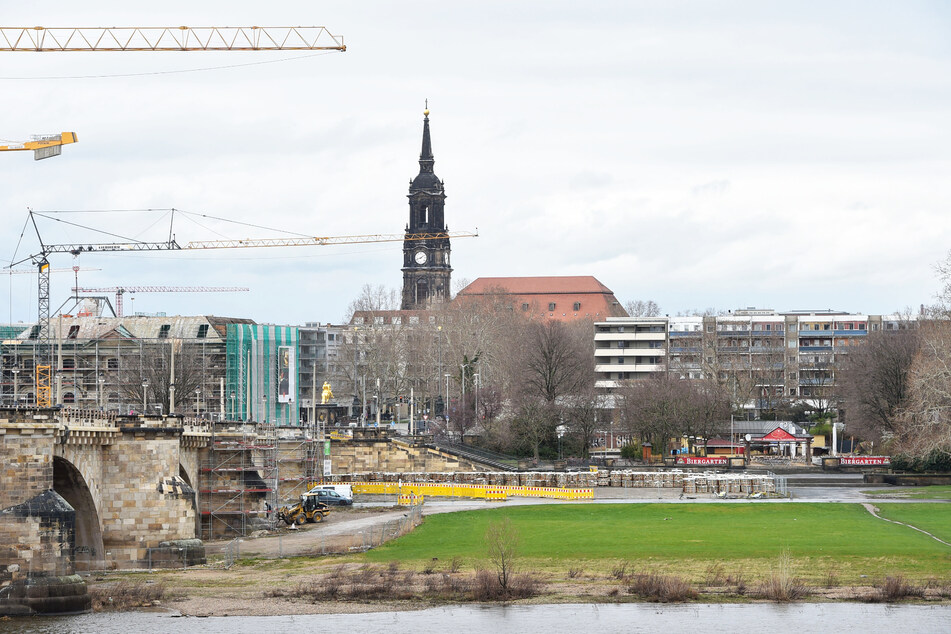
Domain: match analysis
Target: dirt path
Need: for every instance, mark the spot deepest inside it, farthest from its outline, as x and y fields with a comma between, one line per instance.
x=874, y=510
x=339, y=531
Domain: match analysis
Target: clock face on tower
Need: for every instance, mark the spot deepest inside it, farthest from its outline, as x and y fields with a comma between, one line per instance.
x=420, y=257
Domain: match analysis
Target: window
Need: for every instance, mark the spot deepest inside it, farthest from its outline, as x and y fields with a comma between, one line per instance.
x=163, y=331
x=69, y=364
x=413, y=319
x=73, y=332
x=113, y=397
x=358, y=321
x=333, y=337
x=112, y=364
x=69, y=397
x=35, y=332
x=202, y=331
x=524, y=306
x=551, y=305
x=577, y=305
x=378, y=320
x=621, y=344
x=397, y=320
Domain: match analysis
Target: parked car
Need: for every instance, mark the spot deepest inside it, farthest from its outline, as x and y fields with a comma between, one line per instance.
x=330, y=497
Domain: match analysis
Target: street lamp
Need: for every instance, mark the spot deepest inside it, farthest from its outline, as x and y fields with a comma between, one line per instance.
x=264, y=403
x=445, y=403
x=145, y=395
x=15, y=371
x=475, y=378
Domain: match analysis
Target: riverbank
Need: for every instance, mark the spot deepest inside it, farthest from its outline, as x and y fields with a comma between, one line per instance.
x=588, y=553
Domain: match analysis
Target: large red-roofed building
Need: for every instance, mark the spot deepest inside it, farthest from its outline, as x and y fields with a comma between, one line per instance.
x=563, y=298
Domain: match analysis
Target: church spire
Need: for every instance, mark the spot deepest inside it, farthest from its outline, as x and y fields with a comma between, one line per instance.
x=426, y=159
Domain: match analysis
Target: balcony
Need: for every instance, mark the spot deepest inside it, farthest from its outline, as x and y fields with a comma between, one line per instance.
x=630, y=336
x=815, y=348
x=851, y=333
x=630, y=352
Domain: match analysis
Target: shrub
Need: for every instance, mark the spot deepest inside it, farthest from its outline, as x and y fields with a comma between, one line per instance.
x=574, y=572
x=895, y=589
x=126, y=595
x=661, y=588
x=781, y=584
x=619, y=571
x=630, y=451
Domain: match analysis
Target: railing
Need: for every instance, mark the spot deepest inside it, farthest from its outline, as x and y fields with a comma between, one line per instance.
x=484, y=456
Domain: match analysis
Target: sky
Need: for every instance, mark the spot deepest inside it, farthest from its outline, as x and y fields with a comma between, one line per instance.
x=700, y=154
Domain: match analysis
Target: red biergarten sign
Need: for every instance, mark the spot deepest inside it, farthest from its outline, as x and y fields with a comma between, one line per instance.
x=866, y=461
x=701, y=460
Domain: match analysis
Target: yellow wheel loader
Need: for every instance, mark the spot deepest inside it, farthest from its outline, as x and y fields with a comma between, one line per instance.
x=307, y=510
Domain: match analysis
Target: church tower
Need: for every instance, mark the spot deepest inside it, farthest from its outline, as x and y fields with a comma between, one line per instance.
x=426, y=269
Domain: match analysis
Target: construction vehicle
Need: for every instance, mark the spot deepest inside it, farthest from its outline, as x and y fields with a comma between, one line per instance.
x=307, y=510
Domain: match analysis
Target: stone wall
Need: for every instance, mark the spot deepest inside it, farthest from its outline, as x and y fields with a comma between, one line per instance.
x=26, y=456
x=147, y=502
x=374, y=450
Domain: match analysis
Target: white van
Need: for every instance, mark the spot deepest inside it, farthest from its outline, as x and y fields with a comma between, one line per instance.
x=344, y=490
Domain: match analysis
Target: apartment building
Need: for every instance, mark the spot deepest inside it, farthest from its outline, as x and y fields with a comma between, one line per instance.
x=764, y=355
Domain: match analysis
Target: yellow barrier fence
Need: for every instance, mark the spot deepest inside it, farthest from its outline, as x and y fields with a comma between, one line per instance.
x=476, y=491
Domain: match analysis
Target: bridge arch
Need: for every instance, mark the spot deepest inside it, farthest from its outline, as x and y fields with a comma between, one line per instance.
x=69, y=482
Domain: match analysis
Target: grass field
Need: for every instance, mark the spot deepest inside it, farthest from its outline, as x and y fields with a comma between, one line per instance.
x=688, y=539
x=936, y=492
x=936, y=521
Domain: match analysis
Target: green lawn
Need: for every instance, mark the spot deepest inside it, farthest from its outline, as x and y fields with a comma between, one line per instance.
x=689, y=537
x=934, y=518
x=936, y=492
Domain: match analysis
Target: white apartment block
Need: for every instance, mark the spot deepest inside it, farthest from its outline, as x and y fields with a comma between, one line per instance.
x=766, y=355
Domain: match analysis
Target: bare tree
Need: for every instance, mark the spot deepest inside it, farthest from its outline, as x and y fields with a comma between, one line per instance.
x=502, y=541
x=662, y=407
x=874, y=381
x=556, y=359
x=925, y=422
x=149, y=379
x=642, y=308
x=534, y=424
x=373, y=299
x=584, y=416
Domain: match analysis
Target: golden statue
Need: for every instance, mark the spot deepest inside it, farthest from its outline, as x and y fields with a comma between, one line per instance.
x=327, y=394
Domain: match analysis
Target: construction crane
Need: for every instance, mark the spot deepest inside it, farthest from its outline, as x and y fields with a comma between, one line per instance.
x=121, y=290
x=38, y=39
x=39, y=259
x=43, y=145
x=168, y=38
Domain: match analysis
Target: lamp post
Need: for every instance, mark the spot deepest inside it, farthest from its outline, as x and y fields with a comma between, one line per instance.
x=463, y=406
x=15, y=371
x=264, y=404
x=475, y=378
x=445, y=403
x=100, y=381
x=145, y=395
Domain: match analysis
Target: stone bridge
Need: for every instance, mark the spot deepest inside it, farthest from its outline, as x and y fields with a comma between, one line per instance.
x=83, y=490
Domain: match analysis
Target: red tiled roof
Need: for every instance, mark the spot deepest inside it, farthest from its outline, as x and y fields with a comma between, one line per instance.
x=551, y=297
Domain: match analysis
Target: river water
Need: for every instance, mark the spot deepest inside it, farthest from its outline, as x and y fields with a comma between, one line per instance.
x=765, y=618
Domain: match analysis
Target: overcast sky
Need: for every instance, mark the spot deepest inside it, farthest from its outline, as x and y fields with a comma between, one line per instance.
x=724, y=154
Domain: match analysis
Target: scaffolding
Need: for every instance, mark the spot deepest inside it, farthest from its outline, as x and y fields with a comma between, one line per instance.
x=250, y=471
x=238, y=490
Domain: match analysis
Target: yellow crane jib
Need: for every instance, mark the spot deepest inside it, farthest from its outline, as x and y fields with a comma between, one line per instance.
x=38, y=39
x=43, y=145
